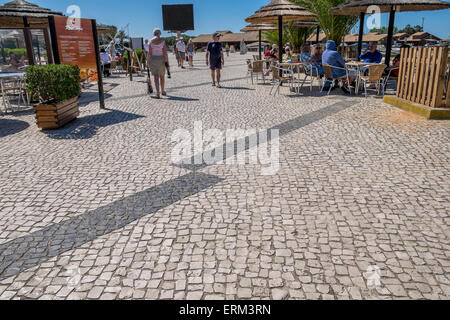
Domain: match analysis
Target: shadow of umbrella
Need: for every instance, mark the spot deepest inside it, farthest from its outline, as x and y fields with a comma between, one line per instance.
x=20, y=254
x=86, y=127
x=9, y=127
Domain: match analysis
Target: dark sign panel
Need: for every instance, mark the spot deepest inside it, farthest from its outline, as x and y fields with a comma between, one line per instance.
x=76, y=45
x=179, y=17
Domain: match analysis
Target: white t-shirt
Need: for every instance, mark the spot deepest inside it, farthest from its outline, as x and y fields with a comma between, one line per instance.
x=181, y=47
x=105, y=58
x=146, y=45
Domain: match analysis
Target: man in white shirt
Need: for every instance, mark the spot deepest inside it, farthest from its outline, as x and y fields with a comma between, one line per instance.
x=181, y=48
x=106, y=62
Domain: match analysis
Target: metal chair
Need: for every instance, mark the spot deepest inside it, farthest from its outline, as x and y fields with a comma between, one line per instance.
x=375, y=76
x=281, y=75
x=390, y=77
x=312, y=72
x=329, y=76
x=256, y=67
x=14, y=88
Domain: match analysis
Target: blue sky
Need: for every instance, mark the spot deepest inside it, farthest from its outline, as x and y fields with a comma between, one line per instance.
x=210, y=15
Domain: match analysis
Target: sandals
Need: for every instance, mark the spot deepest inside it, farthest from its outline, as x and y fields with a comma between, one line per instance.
x=164, y=94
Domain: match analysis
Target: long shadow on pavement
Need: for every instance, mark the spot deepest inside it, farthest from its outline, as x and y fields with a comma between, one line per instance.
x=86, y=127
x=284, y=129
x=10, y=126
x=31, y=250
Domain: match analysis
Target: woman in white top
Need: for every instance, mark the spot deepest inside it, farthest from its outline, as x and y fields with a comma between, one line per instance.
x=157, y=61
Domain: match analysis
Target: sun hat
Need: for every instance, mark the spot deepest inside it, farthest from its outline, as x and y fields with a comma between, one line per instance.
x=157, y=32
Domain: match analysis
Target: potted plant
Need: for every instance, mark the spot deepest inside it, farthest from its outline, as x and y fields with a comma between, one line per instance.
x=57, y=88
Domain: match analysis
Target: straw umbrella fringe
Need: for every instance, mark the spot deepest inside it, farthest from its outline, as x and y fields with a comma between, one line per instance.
x=260, y=28
x=277, y=11
x=359, y=7
x=356, y=6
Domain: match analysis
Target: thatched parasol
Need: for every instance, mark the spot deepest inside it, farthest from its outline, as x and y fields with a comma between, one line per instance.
x=20, y=14
x=260, y=27
x=359, y=7
x=278, y=11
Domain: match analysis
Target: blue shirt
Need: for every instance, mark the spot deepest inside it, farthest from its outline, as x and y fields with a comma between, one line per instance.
x=370, y=57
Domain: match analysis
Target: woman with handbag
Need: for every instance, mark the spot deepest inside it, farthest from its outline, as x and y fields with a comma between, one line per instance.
x=157, y=61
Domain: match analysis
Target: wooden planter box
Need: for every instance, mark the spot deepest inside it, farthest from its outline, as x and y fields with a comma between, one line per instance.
x=50, y=116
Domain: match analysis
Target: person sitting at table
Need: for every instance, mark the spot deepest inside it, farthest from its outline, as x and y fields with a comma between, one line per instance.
x=16, y=63
x=314, y=62
x=333, y=58
x=372, y=55
x=273, y=57
x=106, y=62
x=395, y=67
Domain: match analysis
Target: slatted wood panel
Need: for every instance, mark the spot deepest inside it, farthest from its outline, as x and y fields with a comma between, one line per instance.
x=423, y=76
x=55, y=116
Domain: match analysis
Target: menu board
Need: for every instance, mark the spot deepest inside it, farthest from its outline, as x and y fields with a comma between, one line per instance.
x=76, y=45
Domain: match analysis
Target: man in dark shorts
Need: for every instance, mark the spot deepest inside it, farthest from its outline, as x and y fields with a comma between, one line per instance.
x=215, y=59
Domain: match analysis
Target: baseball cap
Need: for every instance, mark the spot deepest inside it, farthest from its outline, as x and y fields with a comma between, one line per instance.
x=216, y=34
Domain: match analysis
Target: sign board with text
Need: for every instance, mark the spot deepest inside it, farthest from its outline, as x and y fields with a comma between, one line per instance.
x=76, y=45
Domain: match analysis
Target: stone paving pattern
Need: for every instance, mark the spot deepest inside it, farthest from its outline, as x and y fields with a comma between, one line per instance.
x=361, y=184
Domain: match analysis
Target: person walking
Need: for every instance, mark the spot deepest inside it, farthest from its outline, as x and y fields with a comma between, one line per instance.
x=157, y=61
x=106, y=62
x=181, y=48
x=215, y=59
x=191, y=52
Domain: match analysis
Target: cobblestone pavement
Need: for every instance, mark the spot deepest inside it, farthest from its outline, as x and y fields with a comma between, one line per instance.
x=97, y=210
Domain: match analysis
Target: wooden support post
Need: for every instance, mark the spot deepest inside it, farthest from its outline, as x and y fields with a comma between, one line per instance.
x=54, y=40
x=280, y=38
x=260, y=44
x=27, y=36
x=317, y=35
x=101, y=92
x=361, y=32
x=387, y=60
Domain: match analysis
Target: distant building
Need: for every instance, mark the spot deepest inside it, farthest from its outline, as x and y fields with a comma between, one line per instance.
x=312, y=38
x=228, y=38
x=422, y=38
x=379, y=38
x=401, y=37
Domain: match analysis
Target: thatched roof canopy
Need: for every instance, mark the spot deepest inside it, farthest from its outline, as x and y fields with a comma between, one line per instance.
x=13, y=13
x=288, y=10
x=259, y=26
x=21, y=8
x=305, y=24
x=355, y=7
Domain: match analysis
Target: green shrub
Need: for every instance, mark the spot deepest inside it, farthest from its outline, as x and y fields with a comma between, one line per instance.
x=53, y=83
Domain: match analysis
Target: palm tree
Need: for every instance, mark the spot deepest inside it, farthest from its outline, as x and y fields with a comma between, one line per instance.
x=294, y=35
x=334, y=26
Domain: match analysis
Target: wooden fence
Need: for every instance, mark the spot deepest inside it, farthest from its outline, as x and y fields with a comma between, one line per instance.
x=423, y=76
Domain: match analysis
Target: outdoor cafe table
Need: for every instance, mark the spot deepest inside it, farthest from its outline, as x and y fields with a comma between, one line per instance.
x=358, y=66
x=293, y=66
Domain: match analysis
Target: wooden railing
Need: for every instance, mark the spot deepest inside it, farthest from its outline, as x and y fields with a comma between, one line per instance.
x=423, y=76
